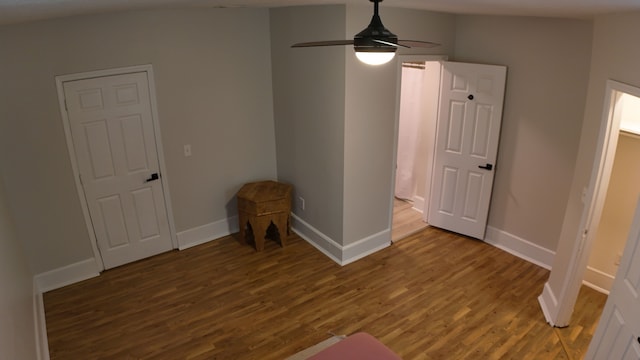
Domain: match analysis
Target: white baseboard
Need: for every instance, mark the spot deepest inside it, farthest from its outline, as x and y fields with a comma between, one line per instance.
x=342, y=255
x=598, y=280
x=369, y=245
x=320, y=241
x=418, y=204
x=205, y=233
x=40, y=324
x=535, y=254
x=519, y=247
x=548, y=303
x=67, y=275
x=88, y=268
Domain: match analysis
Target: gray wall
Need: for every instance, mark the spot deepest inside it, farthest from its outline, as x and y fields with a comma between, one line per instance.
x=213, y=79
x=335, y=117
x=309, y=101
x=548, y=72
x=615, y=57
x=17, y=333
x=370, y=116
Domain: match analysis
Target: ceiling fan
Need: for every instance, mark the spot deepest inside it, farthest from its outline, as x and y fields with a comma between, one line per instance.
x=375, y=45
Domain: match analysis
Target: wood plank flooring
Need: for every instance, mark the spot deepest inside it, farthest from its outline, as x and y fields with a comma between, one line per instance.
x=434, y=295
x=406, y=220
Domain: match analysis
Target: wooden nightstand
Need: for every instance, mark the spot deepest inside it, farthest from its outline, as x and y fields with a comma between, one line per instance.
x=261, y=204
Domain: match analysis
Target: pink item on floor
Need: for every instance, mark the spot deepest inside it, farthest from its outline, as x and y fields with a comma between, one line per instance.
x=359, y=346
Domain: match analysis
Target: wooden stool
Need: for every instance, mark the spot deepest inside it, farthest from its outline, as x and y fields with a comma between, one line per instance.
x=261, y=204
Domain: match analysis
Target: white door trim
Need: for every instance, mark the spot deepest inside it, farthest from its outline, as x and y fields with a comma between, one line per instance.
x=558, y=309
x=60, y=80
x=618, y=328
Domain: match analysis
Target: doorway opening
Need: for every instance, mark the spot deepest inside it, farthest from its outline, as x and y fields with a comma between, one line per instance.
x=619, y=198
x=619, y=131
x=616, y=335
x=419, y=79
x=448, y=129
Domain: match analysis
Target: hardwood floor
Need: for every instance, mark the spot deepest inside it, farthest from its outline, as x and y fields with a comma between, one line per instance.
x=434, y=295
x=406, y=220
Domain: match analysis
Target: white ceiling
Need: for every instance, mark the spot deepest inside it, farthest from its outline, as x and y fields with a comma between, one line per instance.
x=15, y=11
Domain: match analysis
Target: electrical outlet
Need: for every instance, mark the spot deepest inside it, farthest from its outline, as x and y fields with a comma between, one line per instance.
x=187, y=150
x=301, y=202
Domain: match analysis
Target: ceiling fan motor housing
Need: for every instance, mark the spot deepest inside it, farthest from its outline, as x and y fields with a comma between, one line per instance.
x=365, y=41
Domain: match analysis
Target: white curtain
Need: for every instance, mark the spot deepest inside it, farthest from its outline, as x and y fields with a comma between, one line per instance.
x=408, y=132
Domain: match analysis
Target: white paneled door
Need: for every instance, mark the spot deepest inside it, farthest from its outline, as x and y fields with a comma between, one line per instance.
x=618, y=333
x=469, y=118
x=115, y=147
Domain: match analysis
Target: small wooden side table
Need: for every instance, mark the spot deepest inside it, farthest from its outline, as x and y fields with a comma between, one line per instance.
x=261, y=204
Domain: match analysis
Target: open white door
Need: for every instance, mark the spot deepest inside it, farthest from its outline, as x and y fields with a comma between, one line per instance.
x=618, y=333
x=115, y=147
x=467, y=135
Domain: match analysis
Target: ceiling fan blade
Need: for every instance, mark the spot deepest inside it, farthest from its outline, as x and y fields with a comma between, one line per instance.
x=417, y=43
x=389, y=43
x=323, y=43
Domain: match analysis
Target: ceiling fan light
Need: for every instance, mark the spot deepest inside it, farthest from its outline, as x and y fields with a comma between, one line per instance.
x=375, y=58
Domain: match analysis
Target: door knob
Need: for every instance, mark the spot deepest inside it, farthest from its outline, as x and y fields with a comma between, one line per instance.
x=486, y=167
x=153, y=177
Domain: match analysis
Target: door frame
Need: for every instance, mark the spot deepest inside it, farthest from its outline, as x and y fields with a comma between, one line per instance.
x=604, y=332
x=396, y=128
x=593, y=198
x=148, y=69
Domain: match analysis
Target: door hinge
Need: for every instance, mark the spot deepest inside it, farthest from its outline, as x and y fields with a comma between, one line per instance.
x=583, y=240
